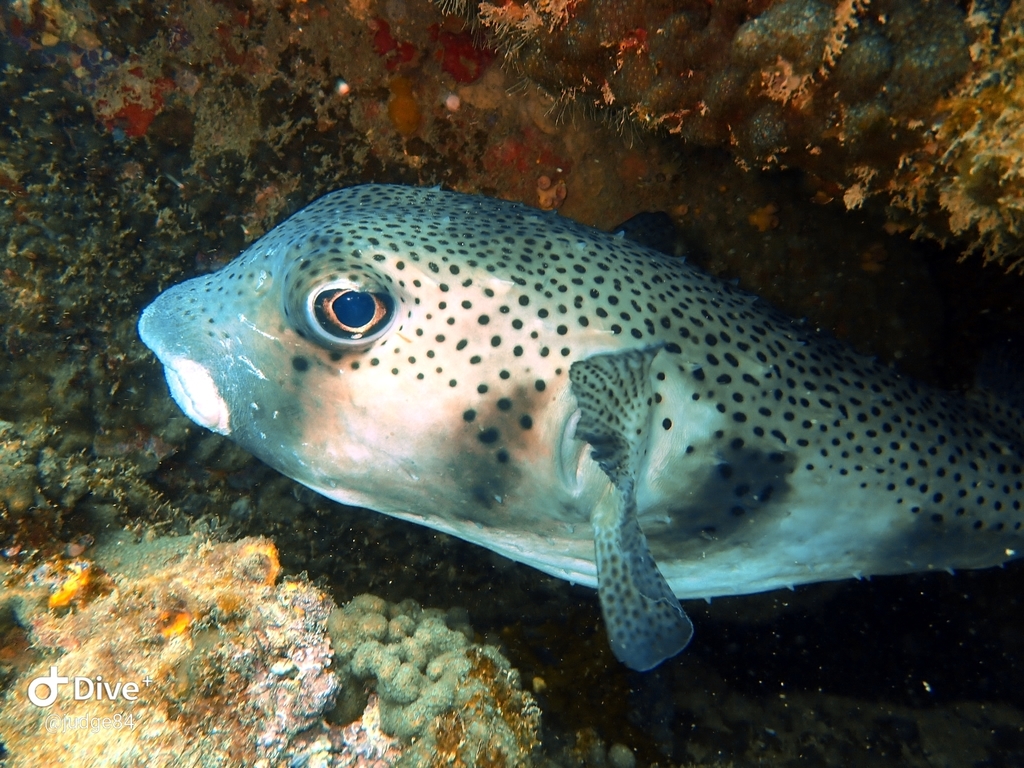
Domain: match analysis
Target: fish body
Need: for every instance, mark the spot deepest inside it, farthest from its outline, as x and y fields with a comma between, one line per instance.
x=580, y=403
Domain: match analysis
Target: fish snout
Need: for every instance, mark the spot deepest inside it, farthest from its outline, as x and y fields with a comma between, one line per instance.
x=191, y=384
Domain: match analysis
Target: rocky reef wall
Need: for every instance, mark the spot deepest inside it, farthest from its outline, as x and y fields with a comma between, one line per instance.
x=914, y=101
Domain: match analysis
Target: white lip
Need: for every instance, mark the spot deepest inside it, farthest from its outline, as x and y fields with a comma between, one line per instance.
x=195, y=392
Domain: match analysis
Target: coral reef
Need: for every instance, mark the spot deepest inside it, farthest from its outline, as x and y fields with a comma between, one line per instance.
x=50, y=497
x=456, y=703
x=773, y=80
x=973, y=168
x=915, y=101
x=224, y=662
x=215, y=660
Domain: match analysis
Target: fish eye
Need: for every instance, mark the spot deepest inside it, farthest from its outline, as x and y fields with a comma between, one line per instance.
x=345, y=314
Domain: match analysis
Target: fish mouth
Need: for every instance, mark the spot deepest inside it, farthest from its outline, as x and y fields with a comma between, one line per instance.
x=190, y=383
x=196, y=393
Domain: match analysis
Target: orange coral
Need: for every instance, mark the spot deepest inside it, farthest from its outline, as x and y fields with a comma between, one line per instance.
x=80, y=581
x=764, y=218
x=74, y=586
x=174, y=623
x=550, y=195
x=403, y=108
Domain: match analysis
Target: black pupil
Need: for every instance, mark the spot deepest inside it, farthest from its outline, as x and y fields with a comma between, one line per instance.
x=354, y=309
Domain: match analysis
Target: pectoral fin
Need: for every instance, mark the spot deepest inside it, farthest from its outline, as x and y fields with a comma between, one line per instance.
x=644, y=620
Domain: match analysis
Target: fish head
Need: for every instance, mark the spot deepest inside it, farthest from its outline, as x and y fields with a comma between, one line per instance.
x=382, y=353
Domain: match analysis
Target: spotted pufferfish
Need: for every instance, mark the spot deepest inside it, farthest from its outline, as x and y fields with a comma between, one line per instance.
x=580, y=403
